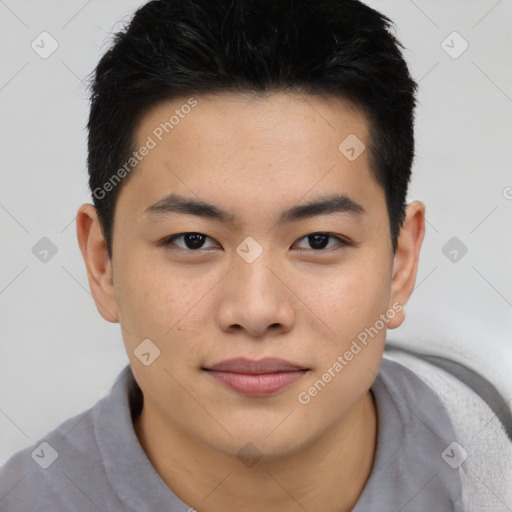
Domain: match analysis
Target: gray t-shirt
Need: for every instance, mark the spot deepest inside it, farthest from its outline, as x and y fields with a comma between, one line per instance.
x=94, y=462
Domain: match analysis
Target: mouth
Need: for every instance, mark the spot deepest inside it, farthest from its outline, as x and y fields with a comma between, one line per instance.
x=260, y=378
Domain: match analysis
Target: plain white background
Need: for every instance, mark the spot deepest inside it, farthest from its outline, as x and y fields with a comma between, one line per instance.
x=58, y=356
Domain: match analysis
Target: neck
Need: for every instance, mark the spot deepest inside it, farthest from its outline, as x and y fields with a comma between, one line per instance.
x=328, y=474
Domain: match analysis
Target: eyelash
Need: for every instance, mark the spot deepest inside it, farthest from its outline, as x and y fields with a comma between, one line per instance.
x=342, y=242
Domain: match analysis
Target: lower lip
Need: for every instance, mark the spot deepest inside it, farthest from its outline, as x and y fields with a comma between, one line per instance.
x=257, y=385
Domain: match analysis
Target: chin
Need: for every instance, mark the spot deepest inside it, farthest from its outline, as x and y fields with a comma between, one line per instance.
x=260, y=443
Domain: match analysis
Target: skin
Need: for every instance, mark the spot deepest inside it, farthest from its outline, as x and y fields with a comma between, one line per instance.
x=254, y=157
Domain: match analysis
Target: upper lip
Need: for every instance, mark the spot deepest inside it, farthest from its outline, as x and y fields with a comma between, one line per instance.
x=250, y=366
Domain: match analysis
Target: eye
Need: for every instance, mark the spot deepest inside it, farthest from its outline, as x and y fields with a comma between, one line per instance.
x=191, y=241
x=319, y=241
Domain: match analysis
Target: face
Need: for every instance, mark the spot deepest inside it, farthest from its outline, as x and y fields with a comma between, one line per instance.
x=241, y=279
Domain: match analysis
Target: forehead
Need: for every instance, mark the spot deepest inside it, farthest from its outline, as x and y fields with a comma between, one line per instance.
x=291, y=118
x=263, y=148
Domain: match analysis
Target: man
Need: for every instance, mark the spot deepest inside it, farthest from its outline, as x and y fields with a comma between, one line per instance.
x=249, y=164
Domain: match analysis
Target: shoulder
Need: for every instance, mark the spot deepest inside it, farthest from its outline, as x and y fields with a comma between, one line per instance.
x=39, y=476
x=413, y=430
x=64, y=470
x=481, y=450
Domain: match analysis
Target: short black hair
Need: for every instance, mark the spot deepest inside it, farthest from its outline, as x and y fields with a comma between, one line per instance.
x=175, y=48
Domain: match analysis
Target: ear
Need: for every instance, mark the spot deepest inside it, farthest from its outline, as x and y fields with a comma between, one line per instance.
x=99, y=266
x=405, y=262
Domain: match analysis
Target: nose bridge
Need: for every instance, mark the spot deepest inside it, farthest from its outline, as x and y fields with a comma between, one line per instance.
x=251, y=270
x=257, y=299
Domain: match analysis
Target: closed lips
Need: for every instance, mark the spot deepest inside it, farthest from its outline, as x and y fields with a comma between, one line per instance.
x=254, y=367
x=256, y=378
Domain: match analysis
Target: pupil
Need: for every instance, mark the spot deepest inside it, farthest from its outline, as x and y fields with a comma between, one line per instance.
x=194, y=240
x=318, y=241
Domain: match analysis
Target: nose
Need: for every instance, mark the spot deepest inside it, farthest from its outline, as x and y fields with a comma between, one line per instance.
x=256, y=299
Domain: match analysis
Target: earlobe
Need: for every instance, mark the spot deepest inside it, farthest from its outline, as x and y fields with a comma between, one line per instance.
x=98, y=264
x=405, y=263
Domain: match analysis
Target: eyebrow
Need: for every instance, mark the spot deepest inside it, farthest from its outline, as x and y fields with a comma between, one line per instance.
x=176, y=204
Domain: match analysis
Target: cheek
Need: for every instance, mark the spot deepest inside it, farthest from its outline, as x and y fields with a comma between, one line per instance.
x=159, y=303
x=350, y=303
x=349, y=298
x=145, y=297
x=347, y=362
